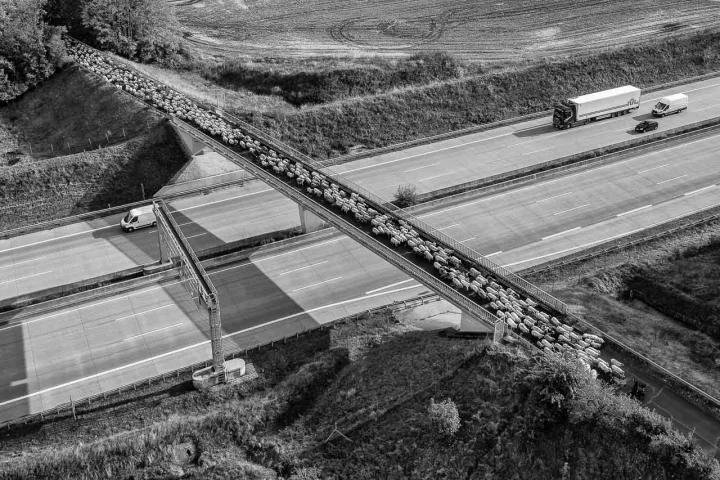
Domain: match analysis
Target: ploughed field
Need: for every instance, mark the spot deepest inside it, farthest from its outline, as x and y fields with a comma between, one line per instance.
x=487, y=30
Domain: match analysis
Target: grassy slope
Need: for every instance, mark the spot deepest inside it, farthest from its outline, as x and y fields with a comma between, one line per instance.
x=595, y=289
x=68, y=108
x=384, y=119
x=73, y=107
x=62, y=186
x=374, y=378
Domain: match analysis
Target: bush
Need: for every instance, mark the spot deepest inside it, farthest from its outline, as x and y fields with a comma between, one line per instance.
x=30, y=50
x=136, y=29
x=406, y=196
x=444, y=417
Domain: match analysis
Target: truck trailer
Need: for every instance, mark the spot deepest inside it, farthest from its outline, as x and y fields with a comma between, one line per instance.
x=595, y=106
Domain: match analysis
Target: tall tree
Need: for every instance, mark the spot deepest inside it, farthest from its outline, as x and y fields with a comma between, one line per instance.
x=132, y=28
x=30, y=50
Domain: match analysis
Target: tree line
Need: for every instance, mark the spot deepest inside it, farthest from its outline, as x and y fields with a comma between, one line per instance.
x=31, y=47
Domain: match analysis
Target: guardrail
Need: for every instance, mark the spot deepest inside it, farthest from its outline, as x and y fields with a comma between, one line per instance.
x=599, y=250
x=66, y=409
x=469, y=254
x=487, y=126
x=576, y=160
x=342, y=224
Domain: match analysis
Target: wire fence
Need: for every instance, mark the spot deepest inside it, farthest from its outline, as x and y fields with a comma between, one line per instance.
x=67, y=409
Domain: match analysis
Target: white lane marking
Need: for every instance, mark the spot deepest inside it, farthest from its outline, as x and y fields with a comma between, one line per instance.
x=23, y=278
x=33, y=321
x=706, y=108
x=152, y=331
x=595, y=242
x=186, y=223
x=653, y=168
x=561, y=233
x=389, y=286
x=537, y=151
x=275, y=256
x=467, y=239
x=498, y=136
x=20, y=263
x=434, y=151
x=198, y=235
x=671, y=179
x=420, y=168
x=449, y=226
x=116, y=226
x=554, y=196
x=633, y=211
x=700, y=190
x=316, y=284
x=493, y=254
x=145, y=311
x=564, y=177
x=221, y=200
x=571, y=209
x=301, y=268
x=436, y=176
x=196, y=345
x=139, y=292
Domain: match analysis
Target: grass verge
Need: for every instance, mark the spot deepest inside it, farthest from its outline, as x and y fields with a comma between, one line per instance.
x=352, y=402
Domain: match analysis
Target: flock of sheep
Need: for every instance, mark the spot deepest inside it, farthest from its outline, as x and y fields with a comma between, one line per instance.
x=522, y=316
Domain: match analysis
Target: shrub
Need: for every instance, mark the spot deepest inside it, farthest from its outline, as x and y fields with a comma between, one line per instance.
x=137, y=29
x=30, y=50
x=444, y=417
x=406, y=196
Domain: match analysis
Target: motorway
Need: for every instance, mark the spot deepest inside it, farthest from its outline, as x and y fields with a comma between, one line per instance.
x=75, y=252
x=480, y=155
x=514, y=225
x=98, y=345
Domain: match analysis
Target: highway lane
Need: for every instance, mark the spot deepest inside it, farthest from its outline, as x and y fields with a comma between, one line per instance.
x=99, y=345
x=476, y=156
x=54, y=257
x=532, y=224
x=67, y=351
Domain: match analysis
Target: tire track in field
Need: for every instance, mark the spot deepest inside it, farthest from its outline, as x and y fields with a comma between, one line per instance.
x=491, y=31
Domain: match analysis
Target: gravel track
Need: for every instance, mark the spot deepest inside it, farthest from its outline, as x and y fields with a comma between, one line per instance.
x=492, y=31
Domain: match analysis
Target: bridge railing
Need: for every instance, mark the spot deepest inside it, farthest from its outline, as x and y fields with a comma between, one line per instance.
x=471, y=255
x=349, y=228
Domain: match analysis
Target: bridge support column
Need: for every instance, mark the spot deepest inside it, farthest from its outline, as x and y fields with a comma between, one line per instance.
x=470, y=324
x=309, y=222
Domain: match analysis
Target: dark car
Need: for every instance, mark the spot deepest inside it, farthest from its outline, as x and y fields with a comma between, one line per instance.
x=646, y=126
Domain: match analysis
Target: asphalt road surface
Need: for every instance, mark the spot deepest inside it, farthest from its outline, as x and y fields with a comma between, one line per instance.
x=575, y=211
x=97, y=346
x=480, y=155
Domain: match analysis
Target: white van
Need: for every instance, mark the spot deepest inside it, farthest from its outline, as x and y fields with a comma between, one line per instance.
x=139, y=218
x=671, y=104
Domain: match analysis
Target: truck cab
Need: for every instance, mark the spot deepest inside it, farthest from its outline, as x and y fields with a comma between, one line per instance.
x=563, y=115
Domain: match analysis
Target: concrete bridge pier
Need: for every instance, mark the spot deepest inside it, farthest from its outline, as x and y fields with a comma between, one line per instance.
x=309, y=222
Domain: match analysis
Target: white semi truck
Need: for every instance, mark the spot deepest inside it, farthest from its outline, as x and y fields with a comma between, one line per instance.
x=595, y=106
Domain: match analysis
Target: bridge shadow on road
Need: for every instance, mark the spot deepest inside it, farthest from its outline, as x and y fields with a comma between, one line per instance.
x=16, y=371
x=536, y=131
